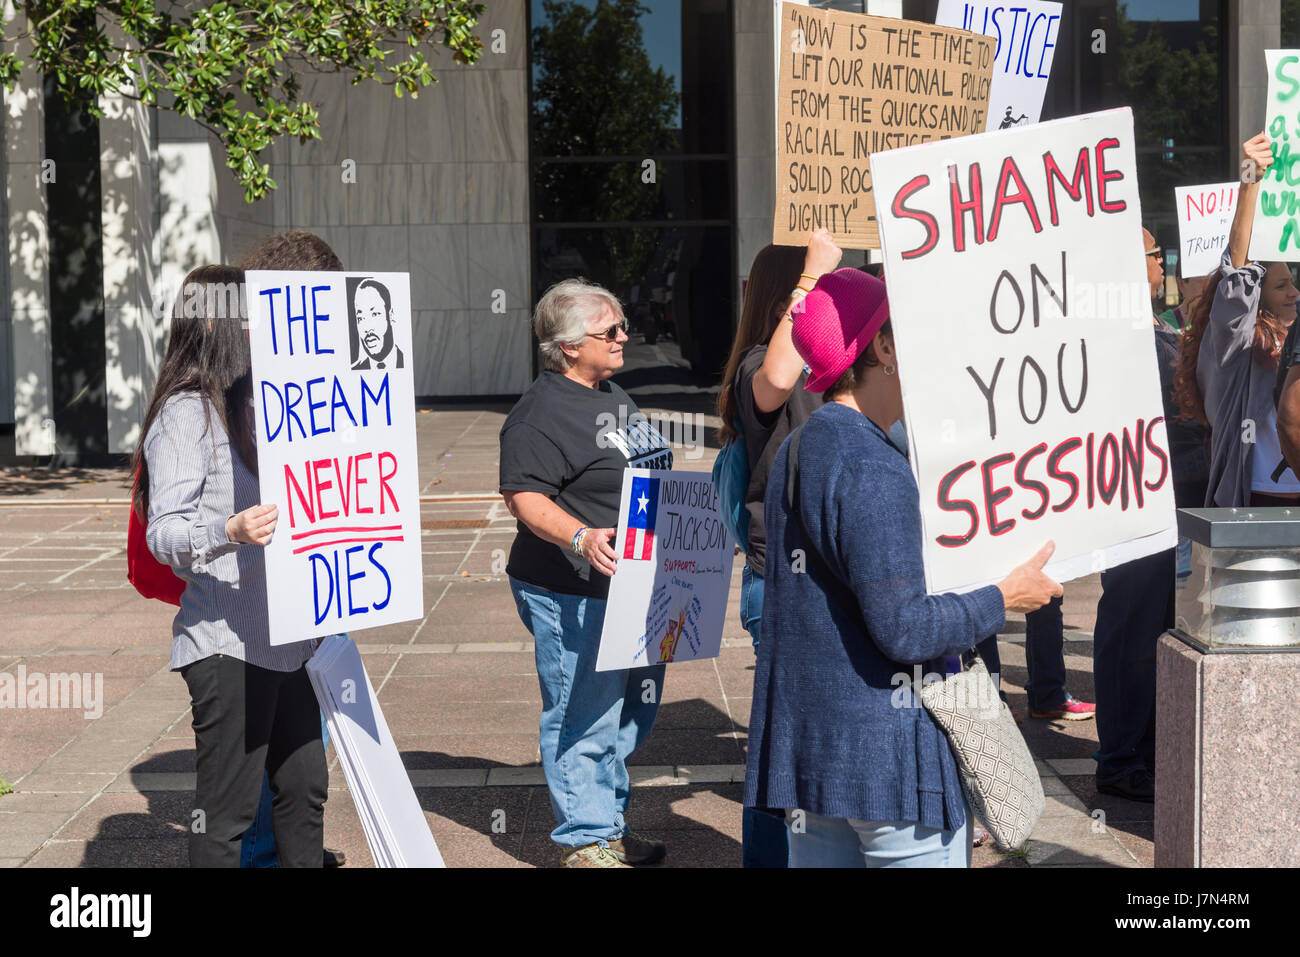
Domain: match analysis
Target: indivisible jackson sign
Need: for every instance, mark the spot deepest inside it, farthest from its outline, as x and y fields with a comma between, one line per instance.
x=849, y=85
x=668, y=598
x=335, y=407
x=1020, y=308
x=1276, y=233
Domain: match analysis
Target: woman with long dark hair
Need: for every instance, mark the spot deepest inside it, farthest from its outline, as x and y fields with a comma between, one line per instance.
x=197, y=489
x=762, y=399
x=1228, y=360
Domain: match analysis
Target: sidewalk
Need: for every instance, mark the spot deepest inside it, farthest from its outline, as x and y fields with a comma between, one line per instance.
x=458, y=688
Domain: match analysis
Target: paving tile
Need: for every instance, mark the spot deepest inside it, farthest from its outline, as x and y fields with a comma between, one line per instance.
x=135, y=816
x=22, y=832
x=1073, y=766
x=1115, y=809
x=1138, y=838
x=463, y=687
x=454, y=750
x=481, y=663
x=173, y=852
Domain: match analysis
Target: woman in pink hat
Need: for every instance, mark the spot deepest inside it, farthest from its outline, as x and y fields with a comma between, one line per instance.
x=863, y=781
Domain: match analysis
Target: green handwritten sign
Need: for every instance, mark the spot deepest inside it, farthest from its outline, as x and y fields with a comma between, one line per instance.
x=1276, y=234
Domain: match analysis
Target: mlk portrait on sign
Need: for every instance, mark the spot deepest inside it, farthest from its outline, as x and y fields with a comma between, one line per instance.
x=373, y=346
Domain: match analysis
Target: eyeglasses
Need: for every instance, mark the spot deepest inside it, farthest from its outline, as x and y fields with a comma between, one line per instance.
x=1155, y=252
x=611, y=334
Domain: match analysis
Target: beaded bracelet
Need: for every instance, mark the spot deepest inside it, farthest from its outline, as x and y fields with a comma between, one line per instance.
x=576, y=545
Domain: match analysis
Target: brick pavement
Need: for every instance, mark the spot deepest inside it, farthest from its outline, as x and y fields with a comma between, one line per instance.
x=458, y=688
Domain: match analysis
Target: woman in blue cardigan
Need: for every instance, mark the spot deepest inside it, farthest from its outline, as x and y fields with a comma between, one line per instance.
x=863, y=783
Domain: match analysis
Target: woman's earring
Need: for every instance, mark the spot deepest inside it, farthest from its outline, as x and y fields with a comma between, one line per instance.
x=889, y=370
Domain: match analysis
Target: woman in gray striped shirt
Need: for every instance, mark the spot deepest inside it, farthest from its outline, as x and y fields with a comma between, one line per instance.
x=253, y=705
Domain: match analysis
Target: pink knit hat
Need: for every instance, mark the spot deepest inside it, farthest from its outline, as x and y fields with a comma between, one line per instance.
x=836, y=322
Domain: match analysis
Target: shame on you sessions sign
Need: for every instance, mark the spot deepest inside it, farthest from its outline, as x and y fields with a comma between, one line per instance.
x=335, y=407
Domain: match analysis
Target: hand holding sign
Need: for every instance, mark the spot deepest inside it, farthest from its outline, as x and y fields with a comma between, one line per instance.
x=823, y=255
x=1027, y=588
x=597, y=550
x=253, y=526
x=1256, y=158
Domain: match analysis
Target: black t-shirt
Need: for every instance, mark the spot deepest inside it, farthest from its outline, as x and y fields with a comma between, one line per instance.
x=764, y=432
x=572, y=444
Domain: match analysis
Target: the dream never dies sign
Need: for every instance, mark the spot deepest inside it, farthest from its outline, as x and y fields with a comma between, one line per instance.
x=850, y=85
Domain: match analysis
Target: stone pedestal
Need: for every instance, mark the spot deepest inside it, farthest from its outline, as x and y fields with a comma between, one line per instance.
x=1228, y=758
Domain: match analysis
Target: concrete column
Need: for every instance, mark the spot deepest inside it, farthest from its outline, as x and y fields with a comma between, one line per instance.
x=133, y=330
x=1253, y=27
x=25, y=175
x=187, y=234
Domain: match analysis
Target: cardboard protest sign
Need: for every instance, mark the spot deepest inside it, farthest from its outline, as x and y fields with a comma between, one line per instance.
x=334, y=400
x=668, y=598
x=1204, y=218
x=1026, y=33
x=1276, y=233
x=1022, y=316
x=850, y=85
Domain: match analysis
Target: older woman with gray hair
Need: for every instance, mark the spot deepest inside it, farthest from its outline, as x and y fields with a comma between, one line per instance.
x=564, y=448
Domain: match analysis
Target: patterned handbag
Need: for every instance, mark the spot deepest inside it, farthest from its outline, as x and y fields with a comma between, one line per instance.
x=997, y=770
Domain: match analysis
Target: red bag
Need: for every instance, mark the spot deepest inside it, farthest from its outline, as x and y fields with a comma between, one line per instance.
x=151, y=578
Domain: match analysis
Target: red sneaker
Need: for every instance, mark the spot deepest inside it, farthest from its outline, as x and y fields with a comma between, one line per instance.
x=1072, y=710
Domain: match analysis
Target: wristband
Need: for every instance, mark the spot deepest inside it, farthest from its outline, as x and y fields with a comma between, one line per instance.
x=804, y=275
x=576, y=545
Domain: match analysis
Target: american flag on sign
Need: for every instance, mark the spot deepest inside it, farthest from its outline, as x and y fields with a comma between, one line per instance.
x=641, y=517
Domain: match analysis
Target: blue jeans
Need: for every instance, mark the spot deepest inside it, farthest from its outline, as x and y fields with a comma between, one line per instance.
x=762, y=835
x=1045, y=657
x=751, y=603
x=817, y=841
x=591, y=721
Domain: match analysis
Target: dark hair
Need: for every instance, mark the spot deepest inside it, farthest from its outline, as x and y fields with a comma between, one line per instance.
x=207, y=353
x=1266, y=346
x=378, y=287
x=295, y=249
x=773, y=275
x=852, y=377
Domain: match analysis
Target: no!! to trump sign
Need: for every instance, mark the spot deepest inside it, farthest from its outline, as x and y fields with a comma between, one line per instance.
x=1020, y=308
x=335, y=408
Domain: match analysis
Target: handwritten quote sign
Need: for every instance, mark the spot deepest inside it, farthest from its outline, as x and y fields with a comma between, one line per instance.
x=1022, y=318
x=1026, y=35
x=850, y=85
x=668, y=598
x=334, y=401
x=1204, y=219
x=1276, y=233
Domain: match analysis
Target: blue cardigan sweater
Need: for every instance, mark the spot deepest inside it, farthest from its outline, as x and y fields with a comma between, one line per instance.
x=824, y=733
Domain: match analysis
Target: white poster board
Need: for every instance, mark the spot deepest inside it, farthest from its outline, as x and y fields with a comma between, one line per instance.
x=1276, y=233
x=1026, y=33
x=668, y=598
x=334, y=399
x=1026, y=349
x=1204, y=218
x=390, y=813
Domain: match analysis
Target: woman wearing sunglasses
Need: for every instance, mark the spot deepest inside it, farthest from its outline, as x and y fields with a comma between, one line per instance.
x=564, y=448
